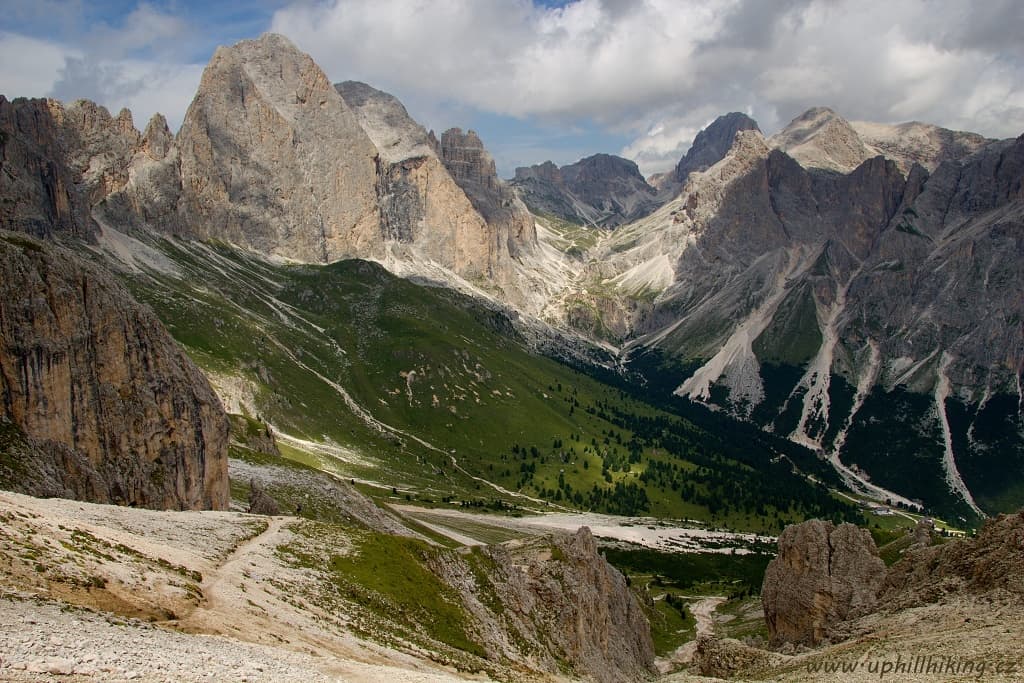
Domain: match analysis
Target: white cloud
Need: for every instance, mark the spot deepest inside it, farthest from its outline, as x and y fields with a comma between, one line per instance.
x=144, y=87
x=654, y=69
x=28, y=67
x=135, y=64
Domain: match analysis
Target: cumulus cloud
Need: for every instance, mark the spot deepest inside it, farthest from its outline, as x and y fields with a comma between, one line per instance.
x=138, y=63
x=28, y=67
x=651, y=72
x=655, y=69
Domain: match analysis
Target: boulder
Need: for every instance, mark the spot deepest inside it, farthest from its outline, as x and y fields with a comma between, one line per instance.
x=822, y=575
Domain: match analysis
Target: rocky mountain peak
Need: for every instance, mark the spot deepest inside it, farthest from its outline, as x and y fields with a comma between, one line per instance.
x=601, y=167
x=395, y=134
x=265, y=146
x=467, y=160
x=820, y=138
x=712, y=143
x=602, y=189
x=125, y=124
x=157, y=139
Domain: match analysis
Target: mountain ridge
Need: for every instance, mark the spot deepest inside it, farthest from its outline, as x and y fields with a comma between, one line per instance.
x=769, y=285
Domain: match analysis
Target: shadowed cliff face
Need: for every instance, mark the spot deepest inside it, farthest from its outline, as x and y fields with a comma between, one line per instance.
x=473, y=169
x=450, y=209
x=57, y=161
x=100, y=402
x=601, y=190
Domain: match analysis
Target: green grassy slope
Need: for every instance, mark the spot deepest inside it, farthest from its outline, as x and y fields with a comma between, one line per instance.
x=428, y=391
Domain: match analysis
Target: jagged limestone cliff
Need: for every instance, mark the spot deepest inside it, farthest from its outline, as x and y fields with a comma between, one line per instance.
x=554, y=602
x=601, y=190
x=96, y=399
x=57, y=161
x=424, y=214
x=473, y=169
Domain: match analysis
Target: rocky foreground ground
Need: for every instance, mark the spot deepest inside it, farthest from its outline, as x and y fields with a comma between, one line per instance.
x=92, y=592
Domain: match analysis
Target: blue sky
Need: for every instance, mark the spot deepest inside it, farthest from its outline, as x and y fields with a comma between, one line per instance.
x=556, y=80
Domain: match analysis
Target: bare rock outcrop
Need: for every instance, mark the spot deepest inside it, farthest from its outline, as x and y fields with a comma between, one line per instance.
x=105, y=405
x=57, y=161
x=990, y=562
x=729, y=658
x=822, y=575
x=562, y=604
x=261, y=502
x=603, y=190
x=923, y=534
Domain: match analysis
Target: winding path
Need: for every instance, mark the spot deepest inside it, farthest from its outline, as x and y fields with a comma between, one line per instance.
x=702, y=611
x=220, y=584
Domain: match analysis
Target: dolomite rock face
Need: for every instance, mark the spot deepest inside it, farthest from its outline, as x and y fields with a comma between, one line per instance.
x=272, y=159
x=108, y=408
x=822, y=575
x=58, y=161
x=562, y=604
x=602, y=190
x=422, y=209
x=473, y=169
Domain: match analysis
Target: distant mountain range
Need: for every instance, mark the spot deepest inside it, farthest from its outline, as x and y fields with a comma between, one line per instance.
x=853, y=287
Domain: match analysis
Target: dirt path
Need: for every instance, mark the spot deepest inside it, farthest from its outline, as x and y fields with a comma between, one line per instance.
x=221, y=585
x=702, y=611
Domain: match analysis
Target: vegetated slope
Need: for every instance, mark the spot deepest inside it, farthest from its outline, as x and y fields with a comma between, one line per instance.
x=428, y=391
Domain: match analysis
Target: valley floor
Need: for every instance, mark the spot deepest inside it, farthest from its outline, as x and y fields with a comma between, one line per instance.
x=666, y=535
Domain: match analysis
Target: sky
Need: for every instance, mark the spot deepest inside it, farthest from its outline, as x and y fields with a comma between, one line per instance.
x=558, y=80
